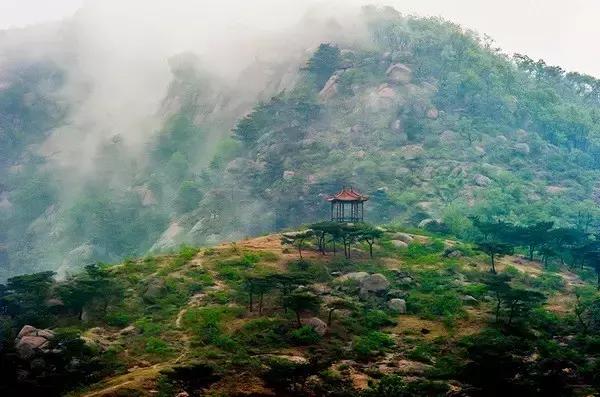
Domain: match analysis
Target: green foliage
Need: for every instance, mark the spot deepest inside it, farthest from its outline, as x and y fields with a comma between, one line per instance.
x=304, y=336
x=371, y=344
x=323, y=63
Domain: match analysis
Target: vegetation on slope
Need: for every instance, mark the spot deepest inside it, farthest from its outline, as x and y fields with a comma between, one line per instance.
x=422, y=317
x=430, y=120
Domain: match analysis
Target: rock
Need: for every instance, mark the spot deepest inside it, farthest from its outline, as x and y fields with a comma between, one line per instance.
x=330, y=87
x=399, y=73
x=452, y=253
x=432, y=113
x=405, y=237
x=182, y=394
x=26, y=330
x=469, y=300
x=448, y=137
x=501, y=139
x=482, y=180
x=30, y=340
x=384, y=91
x=522, y=148
x=398, y=305
x=428, y=222
x=399, y=243
x=146, y=196
x=374, y=283
x=405, y=281
x=154, y=290
x=287, y=175
x=397, y=126
x=169, y=238
x=321, y=289
x=356, y=276
x=411, y=152
x=317, y=324
x=129, y=330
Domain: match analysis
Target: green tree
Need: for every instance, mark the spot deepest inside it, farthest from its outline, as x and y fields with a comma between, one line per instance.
x=323, y=63
x=297, y=239
x=495, y=249
x=300, y=302
x=338, y=304
x=368, y=234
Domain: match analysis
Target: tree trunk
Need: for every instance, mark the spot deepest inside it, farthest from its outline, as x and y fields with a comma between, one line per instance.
x=298, y=319
x=334, y=251
x=493, y=264
x=300, y=250
x=370, y=249
x=499, y=302
x=260, y=304
x=531, y=249
x=251, y=303
x=329, y=317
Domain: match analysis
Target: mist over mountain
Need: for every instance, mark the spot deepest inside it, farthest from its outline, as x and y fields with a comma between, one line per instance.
x=123, y=135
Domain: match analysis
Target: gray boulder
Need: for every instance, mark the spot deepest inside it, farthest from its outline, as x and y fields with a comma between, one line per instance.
x=399, y=244
x=356, y=276
x=154, y=290
x=405, y=237
x=482, y=180
x=398, y=305
x=317, y=324
x=469, y=300
x=522, y=148
x=374, y=283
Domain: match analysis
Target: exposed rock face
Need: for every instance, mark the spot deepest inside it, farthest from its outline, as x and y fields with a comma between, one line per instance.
x=357, y=276
x=330, y=87
x=31, y=340
x=469, y=300
x=399, y=243
x=482, y=180
x=374, y=283
x=399, y=73
x=405, y=237
x=432, y=113
x=411, y=152
x=317, y=324
x=522, y=148
x=169, y=238
x=398, y=305
x=154, y=290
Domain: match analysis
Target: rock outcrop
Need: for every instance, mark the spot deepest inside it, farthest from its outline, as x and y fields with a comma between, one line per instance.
x=31, y=340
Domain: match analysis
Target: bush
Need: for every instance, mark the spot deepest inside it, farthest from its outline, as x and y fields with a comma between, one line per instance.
x=304, y=336
x=375, y=319
x=157, y=346
x=371, y=344
x=118, y=319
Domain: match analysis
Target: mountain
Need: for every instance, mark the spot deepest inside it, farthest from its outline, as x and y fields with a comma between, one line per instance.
x=431, y=121
x=422, y=317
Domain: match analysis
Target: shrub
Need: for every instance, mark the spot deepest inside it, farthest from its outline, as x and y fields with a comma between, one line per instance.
x=118, y=318
x=371, y=344
x=304, y=335
x=157, y=346
x=375, y=319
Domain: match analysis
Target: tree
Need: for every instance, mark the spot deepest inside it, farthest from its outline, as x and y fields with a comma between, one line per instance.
x=92, y=285
x=322, y=230
x=534, y=235
x=516, y=302
x=300, y=302
x=368, y=234
x=338, y=304
x=24, y=298
x=260, y=285
x=323, y=63
x=297, y=239
x=495, y=249
x=592, y=257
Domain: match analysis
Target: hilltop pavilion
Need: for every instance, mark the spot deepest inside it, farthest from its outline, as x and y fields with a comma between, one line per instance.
x=347, y=206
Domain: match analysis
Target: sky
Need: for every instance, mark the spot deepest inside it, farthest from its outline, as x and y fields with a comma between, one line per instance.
x=562, y=33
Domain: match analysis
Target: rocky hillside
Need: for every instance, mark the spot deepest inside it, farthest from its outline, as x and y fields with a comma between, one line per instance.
x=422, y=317
x=432, y=121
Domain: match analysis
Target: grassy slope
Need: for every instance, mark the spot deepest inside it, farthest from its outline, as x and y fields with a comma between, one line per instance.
x=207, y=283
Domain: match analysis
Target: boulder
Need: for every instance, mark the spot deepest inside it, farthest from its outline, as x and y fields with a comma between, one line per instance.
x=405, y=237
x=399, y=73
x=397, y=126
x=522, y=148
x=411, y=152
x=154, y=290
x=482, y=180
x=356, y=276
x=386, y=92
x=317, y=324
x=398, y=305
x=432, y=113
x=399, y=243
x=30, y=340
x=330, y=87
x=287, y=175
x=374, y=283
x=448, y=137
x=469, y=300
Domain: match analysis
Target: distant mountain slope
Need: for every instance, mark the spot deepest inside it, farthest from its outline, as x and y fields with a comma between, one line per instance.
x=431, y=121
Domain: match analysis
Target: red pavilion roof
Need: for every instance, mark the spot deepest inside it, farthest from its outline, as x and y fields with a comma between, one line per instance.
x=348, y=194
